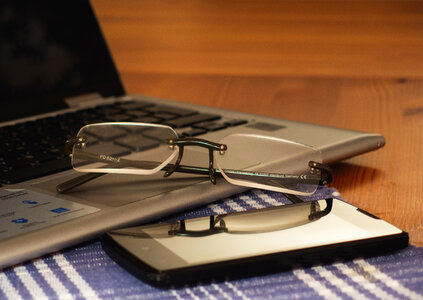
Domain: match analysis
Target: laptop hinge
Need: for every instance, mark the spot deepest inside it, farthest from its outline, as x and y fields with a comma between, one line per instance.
x=82, y=99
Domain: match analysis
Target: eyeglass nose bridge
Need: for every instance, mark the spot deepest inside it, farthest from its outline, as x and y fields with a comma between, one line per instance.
x=211, y=146
x=216, y=225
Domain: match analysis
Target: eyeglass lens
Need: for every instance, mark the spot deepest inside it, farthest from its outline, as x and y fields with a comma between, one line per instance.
x=270, y=163
x=123, y=148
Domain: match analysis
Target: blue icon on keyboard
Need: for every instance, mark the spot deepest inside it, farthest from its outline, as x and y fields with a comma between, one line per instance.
x=60, y=210
x=29, y=202
x=20, y=221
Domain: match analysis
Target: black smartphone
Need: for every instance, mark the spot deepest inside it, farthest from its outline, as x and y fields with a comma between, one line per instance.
x=251, y=242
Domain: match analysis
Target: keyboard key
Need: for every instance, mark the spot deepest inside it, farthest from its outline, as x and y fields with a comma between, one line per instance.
x=108, y=110
x=31, y=172
x=147, y=119
x=158, y=134
x=193, y=132
x=119, y=118
x=210, y=126
x=138, y=113
x=171, y=109
x=190, y=120
x=165, y=116
x=135, y=105
x=106, y=133
x=235, y=122
x=134, y=143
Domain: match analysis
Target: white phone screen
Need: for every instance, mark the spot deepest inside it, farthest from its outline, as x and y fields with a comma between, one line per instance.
x=155, y=247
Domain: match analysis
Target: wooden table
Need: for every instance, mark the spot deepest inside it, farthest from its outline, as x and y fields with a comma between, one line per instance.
x=351, y=64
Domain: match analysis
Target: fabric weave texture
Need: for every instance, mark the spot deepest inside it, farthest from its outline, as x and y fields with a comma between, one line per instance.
x=87, y=272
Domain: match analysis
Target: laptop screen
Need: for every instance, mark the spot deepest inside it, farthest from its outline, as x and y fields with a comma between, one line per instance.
x=51, y=50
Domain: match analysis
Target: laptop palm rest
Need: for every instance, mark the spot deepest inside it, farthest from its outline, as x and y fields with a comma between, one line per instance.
x=115, y=190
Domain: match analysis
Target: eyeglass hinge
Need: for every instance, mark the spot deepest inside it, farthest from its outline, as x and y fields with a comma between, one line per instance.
x=325, y=169
x=80, y=140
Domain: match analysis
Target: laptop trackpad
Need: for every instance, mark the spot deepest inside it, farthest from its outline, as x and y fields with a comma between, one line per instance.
x=117, y=190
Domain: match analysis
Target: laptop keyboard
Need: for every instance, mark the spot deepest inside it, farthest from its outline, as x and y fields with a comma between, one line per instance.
x=36, y=148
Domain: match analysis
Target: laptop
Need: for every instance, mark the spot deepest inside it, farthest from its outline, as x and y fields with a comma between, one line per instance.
x=57, y=74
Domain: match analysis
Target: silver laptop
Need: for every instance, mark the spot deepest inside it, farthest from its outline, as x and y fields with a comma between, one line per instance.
x=57, y=75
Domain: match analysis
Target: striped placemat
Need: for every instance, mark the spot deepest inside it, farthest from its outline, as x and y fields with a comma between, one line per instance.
x=86, y=272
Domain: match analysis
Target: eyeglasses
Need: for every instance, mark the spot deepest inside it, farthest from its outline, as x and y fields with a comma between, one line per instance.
x=249, y=160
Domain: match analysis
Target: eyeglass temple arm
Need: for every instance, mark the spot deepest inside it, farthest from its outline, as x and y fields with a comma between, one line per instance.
x=325, y=169
x=293, y=198
x=79, y=180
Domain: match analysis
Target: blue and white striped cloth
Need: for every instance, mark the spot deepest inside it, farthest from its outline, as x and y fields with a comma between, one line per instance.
x=86, y=272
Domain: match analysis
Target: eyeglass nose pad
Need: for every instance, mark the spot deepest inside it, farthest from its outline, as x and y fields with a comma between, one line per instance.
x=177, y=163
x=212, y=172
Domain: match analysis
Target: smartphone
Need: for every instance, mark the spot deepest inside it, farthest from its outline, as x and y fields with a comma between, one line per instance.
x=251, y=242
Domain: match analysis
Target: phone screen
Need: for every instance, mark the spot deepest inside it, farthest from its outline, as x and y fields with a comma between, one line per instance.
x=154, y=246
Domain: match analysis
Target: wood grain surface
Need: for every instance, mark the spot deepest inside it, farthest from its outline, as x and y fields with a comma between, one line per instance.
x=350, y=64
